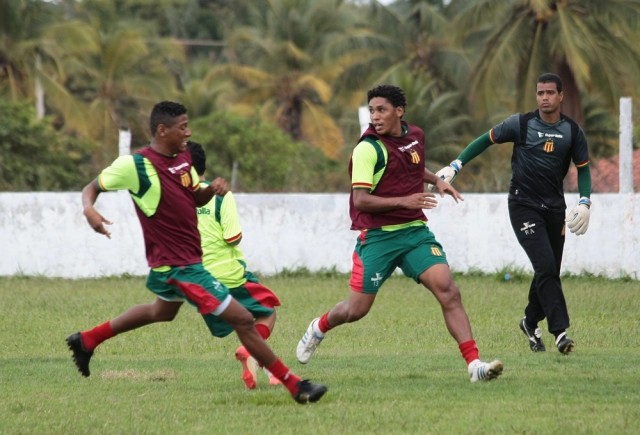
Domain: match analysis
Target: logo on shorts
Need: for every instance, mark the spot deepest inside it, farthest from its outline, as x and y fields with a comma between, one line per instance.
x=527, y=228
x=435, y=251
x=376, y=279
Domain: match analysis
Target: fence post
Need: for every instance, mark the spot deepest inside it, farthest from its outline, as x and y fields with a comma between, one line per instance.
x=364, y=118
x=124, y=142
x=626, y=146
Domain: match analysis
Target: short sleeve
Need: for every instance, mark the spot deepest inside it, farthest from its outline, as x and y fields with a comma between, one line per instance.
x=229, y=219
x=507, y=131
x=580, y=151
x=120, y=175
x=364, y=159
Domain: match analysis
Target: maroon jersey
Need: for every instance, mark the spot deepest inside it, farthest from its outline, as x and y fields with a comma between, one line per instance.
x=403, y=175
x=171, y=234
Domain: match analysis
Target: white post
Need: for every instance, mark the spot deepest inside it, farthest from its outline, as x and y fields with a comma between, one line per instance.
x=39, y=90
x=124, y=142
x=234, y=175
x=364, y=117
x=626, y=146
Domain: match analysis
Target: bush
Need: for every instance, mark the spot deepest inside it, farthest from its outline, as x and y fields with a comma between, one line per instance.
x=266, y=159
x=36, y=157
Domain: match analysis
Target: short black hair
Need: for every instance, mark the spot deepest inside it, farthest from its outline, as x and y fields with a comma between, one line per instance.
x=394, y=94
x=550, y=78
x=198, y=157
x=164, y=113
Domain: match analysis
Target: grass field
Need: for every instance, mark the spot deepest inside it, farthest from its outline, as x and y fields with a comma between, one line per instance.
x=395, y=371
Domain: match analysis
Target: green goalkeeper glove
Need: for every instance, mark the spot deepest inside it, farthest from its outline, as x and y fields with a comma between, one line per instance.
x=578, y=218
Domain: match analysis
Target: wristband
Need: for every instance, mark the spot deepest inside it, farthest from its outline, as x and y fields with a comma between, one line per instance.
x=585, y=201
x=456, y=165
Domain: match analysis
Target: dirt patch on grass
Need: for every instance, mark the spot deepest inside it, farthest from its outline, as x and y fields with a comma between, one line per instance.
x=137, y=375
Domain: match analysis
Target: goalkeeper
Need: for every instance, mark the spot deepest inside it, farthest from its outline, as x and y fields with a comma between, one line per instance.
x=545, y=143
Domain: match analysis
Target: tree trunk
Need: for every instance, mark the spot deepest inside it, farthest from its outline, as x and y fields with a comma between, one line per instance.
x=572, y=101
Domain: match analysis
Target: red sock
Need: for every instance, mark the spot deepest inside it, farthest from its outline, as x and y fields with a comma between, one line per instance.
x=281, y=372
x=93, y=337
x=469, y=351
x=263, y=330
x=323, y=323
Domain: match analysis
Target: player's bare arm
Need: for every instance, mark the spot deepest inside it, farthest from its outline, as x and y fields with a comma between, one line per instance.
x=364, y=201
x=96, y=220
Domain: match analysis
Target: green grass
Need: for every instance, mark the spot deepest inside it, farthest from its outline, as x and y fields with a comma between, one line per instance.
x=395, y=371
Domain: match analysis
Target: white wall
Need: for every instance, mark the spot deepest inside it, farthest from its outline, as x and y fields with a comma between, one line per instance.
x=46, y=234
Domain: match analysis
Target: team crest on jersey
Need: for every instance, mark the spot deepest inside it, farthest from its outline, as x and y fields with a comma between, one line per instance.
x=415, y=157
x=185, y=179
x=548, y=146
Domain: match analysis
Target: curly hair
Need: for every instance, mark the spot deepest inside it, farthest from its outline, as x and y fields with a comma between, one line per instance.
x=164, y=113
x=394, y=94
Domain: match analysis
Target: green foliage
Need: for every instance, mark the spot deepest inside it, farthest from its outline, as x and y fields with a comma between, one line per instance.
x=34, y=156
x=304, y=66
x=21, y=22
x=267, y=159
x=396, y=371
x=588, y=43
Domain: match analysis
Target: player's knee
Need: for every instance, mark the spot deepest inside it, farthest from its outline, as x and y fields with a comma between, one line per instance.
x=164, y=317
x=449, y=296
x=162, y=311
x=164, y=314
x=242, y=322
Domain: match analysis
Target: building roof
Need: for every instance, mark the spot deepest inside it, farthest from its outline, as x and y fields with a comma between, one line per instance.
x=605, y=175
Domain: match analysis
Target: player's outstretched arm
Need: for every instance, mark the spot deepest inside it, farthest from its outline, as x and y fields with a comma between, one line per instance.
x=471, y=151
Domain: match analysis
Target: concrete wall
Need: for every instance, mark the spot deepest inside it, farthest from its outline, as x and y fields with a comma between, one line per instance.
x=46, y=234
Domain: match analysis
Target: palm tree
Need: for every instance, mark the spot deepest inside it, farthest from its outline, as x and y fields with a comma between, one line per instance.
x=590, y=44
x=286, y=62
x=416, y=52
x=20, y=46
x=418, y=38
x=115, y=75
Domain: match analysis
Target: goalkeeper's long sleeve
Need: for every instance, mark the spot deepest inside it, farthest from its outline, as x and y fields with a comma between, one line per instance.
x=584, y=181
x=475, y=148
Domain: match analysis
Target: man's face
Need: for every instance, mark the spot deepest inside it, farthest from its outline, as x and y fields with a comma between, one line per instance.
x=384, y=117
x=176, y=135
x=548, y=97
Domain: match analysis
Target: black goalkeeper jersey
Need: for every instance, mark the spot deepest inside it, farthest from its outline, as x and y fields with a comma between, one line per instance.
x=541, y=157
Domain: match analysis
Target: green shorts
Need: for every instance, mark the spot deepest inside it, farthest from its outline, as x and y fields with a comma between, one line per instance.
x=378, y=253
x=193, y=284
x=255, y=297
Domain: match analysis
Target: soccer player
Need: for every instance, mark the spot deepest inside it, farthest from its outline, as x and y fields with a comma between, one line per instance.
x=545, y=142
x=221, y=233
x=386, y=207
x=165, y=190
